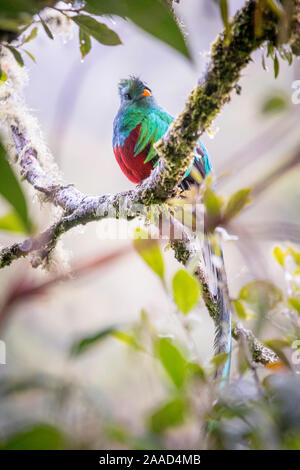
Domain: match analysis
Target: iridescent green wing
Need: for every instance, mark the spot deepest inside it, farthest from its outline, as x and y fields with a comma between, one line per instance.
x=153, y=127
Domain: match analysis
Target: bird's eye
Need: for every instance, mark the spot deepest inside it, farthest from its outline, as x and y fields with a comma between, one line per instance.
x=128, y=96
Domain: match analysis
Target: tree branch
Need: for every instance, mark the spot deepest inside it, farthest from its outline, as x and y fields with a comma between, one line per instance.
x=221, y=77
x=259, y=352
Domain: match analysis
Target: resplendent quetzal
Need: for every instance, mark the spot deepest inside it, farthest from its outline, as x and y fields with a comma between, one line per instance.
x=139, y=123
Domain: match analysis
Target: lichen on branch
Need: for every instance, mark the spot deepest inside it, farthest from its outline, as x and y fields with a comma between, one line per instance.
x=228, y=58
x=259, y=352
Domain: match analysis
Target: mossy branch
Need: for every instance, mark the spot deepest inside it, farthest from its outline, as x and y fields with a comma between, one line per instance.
x=260, y=353
x=228, y=59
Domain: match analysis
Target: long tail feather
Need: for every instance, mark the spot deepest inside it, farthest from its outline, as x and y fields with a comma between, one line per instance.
x=217, y=282
x=216, y=275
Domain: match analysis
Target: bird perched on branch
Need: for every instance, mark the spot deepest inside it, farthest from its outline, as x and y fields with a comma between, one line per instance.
x=139, y=123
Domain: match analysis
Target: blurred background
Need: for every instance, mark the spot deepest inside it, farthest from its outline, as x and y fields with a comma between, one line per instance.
x=112, y=387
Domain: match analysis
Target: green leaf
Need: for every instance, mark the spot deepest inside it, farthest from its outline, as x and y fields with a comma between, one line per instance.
x=186, y=291
x=3, y=77
x=275, y=104
x=127, y=338
x=172, y=360
x=277, y=345
x=30, y=55
x=286, y=55
x=195, y=370
x=85, y=43
x=12, y=223
x=219, y=359
x=16, y=6
x=224, y=14
x=150, y=251
x=99, y=31
x=240, y=310
x=32, y=35
x=261, y=295
x=169, y=415
x=276, y=66
x=40, y=437
x=82, y=345
x=289, y=57
x=16, y=55
x=237, y=202
x=270, y=50
x=279, y=255
x=213, y=203
x=296, y=255
x=153, y=16
x=11, y=190
x=276, y=8
x=46, y=28
x=263, y=61
x=295, y=303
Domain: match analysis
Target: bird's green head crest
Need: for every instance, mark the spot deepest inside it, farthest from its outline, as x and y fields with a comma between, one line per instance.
x=134, y=90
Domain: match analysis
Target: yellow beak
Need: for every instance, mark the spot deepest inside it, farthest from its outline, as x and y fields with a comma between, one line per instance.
x=146, y=92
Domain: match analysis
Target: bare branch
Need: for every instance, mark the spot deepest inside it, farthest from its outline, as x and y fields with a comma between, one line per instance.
x=25, y=288
x=277, y=173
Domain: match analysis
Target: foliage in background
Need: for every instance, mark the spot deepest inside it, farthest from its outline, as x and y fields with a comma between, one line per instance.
x=153, y=16
x=250, y=414
x=18, y=220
